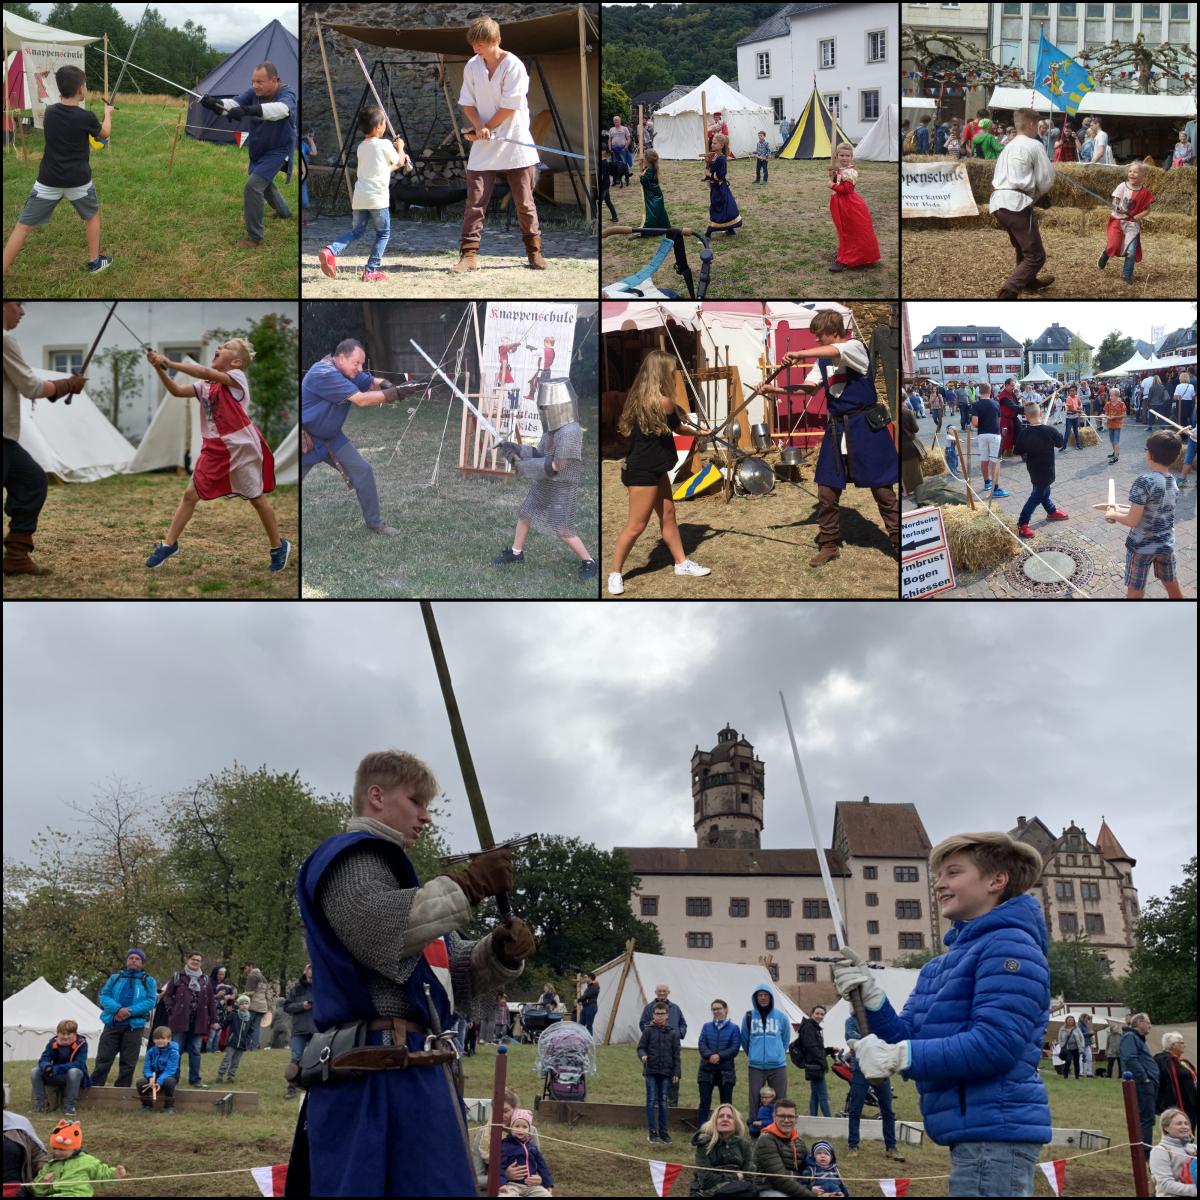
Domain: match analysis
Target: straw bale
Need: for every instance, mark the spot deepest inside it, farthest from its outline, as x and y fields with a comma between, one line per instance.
x=934, y=462
x=1088, y=436
x=977, y=541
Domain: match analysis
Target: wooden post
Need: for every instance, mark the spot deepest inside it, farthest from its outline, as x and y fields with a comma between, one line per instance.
x=704, y=124
x=106, y=91
x=441, y=62
x=175, y=142
x=642, y=131
x=495, y=1133
x=952, y=432
x=21, y=132
x=587, y=166
x=337, y=125
x=612, y=1013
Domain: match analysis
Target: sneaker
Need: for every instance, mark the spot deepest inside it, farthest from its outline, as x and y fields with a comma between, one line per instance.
x=39, y=1108
x=199, y=1084
x=100, y=264
x=1025, y=531
x=589, y=569
x=653, y=1139
x=507, y=556
x=1057, y=515
x=69, y=1114
x=279, y=560
x=665, y=1138
x=1102, y=261
x=987, y=485
x=999, y=493
x=147, y=1109
x=373, y=276
x=169, y=1110
x=327, y=261
x=852, y=1151
x=161, y=553
x=615, y=584
x=687, y=567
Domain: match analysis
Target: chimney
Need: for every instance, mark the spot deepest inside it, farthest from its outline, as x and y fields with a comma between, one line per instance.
x=866, y=799
x=1020, y=822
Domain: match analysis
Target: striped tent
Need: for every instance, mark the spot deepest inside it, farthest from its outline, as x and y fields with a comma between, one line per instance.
x=816, y=133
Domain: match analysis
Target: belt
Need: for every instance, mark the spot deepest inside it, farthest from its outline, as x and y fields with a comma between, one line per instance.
x=397, y=1057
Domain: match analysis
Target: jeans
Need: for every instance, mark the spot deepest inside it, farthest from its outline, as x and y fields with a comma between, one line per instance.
x=166, y=1089
x=1114, y=437
x=189, y=1043
x=993, y=1168
x=952, y=456
x=379, y=221
x=252, y=204
x=1039, y=495
x=587, y=1016
x=255, y=1029
x=964, y=416
x=760, y=166
x=71, y=1081
x=1072, y=426
x=818, y=1095
x=1127, y=270
x=858, y=1093
x=214, y=1041
x=1146, y=1096
x=706, y=1083
x=299, y=1045
x=657, y=1087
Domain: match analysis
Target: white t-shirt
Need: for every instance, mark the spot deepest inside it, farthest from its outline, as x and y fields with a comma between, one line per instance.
x=507, y=88
x=853, y=356
x=376, y=157
x=240, y=392
x=1101, y=150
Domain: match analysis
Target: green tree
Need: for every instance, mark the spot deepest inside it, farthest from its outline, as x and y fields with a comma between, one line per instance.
x=118, y=380
x=1162, y=975
x=1078, y=359
x=637, y=69
x=272, y=374
x=915, y=959
x=23, y=10
x=1113, y=351
x=614, y=102
x=1078, y=971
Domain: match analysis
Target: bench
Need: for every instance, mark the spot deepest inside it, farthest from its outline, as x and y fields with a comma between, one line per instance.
x=191, y=1099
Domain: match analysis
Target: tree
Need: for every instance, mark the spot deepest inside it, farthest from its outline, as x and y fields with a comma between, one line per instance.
x=1162, y=975
x=1113, y=351
x=122, y=380
x=1078, y=971
x=272, y=374
x=637, y=69
x=1077, y=361
x=614, y=102
x=915, y=959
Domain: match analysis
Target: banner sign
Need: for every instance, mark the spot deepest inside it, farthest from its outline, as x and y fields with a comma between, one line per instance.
x=40, y=60
x=936, y=189
x=522, y=345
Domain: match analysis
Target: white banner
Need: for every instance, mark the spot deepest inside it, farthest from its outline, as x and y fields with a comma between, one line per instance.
x=939, y=189
x=40, y=61
x=524, y=343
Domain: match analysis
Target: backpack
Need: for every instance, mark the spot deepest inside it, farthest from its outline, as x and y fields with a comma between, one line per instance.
x=796, y=1052
x=910, y=142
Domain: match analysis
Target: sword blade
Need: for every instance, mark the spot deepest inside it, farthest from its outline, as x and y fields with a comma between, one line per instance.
x=164, y=79
x=371, y=84
x=482, y=419
x=121, y=75
x=96, y=343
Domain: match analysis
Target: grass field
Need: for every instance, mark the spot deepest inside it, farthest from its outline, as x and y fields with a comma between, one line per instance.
x=169, y=235
x=450, y=530
x=95, y=538
x=588, y=1160
x=787, y=239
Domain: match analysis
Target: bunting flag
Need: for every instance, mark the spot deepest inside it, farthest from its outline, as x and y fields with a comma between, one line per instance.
x=1060, y=78
x=1054, y=1172
x=894, y=1187
x=241, y=136
x=270, y=1180
x=663, y=1175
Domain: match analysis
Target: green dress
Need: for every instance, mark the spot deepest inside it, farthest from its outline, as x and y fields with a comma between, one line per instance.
x=654, y=207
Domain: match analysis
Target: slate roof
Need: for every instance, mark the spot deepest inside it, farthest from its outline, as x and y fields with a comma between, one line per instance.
x=882, y=830
x=934, y=340
x=1056, y=337
x=779, y=23
x=1178, y=338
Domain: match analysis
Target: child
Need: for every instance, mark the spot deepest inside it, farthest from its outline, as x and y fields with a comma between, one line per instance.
x=1036, y=443
x=857, y=245
x=495, y=99
x=63, y=1064
x=722, y=207
x=991, y=988
x=65, y=171
x=1072, y=409
x=766, y=1111
x=69, y=1171
x=821, y=1173
x=517, y=1150
x=1151, y=520
x=377, y=160
x=1130, y=202
x=658, y=1049
x=160, y=1073
x=984, y=144
x=234, y=459
x=762, y=155
x=654, y=207
x=1114, y=418
x=649, y=420
x=1172, y=1161
x=606, y=178
x=857, y=447
x=241, y=1036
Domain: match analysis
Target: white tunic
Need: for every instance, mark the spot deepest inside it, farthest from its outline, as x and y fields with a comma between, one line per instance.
x=507, y=88
x=853, y=358
x=1022, y=174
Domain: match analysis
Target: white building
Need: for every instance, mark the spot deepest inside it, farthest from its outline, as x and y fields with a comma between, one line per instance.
x=851, y=49
x=1050, y=351
x=980, y=353
x=58, y=336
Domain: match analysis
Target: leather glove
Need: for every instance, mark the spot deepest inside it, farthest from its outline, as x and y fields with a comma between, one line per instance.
x=75, y=384
x=851, y=974
x=1042, y=201
x=238, y=111
x=512, y=943
x=390, y=394
x=878, y=1059
x=211, y=104
x=486, y=875
x=508, y=451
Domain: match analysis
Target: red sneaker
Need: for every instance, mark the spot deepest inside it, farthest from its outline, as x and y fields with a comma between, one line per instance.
x=373, y=276
x=1057, y=515
x=1025, y=531
x=328, y=262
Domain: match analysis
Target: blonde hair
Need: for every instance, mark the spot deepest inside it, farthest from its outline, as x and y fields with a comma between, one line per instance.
x=707, y=1133
x=826, y=321
x=244, y=349
x=721, y=138
x=992, y=853
x=1168, y=1115
x=643, y=401
x=483, y=31
x=843, y=146
x=161, y=1031
x=391, y=769
x=69, y=1026
x=767, y=1091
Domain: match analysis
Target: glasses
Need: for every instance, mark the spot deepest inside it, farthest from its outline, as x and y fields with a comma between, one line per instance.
x=785, y=1116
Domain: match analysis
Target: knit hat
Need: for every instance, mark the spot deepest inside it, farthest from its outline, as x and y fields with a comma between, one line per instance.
x=140, y=953
x=242, y=997
x=822, y=1145
x=985, y=124
x=67, y=1135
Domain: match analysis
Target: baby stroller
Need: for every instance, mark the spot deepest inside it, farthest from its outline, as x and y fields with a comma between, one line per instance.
x=845, y=1072
x=535, y=1020
x=566, y=1055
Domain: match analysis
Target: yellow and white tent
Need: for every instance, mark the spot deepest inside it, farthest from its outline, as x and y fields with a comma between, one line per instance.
x=816, y=133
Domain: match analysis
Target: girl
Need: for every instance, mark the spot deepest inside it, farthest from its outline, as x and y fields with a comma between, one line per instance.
x=649, y=419
x=722, y=207
x=654, y=207
x=857, y=246
x=234, y=460
x=1130, y=202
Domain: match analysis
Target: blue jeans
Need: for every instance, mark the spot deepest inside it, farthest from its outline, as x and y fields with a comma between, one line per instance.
x=255, y=1028
x=1114, y=437
x=858, y=1093
x=656, y=1103
x=1072, y=426
x=379, y=221
x=1127, y=271
x=993, y=1168
x=818, y=1094
x=964, y=416
x=1039, y=495
x=627, y=155
x=760, y=165
x=71, y=1081
x=189, y=1043
x=1146, y=1096
x=587, y=1016
x=299, y=1043
x=214, y=1041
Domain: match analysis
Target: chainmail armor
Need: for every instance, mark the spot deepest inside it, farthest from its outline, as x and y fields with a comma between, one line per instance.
x=550, y=505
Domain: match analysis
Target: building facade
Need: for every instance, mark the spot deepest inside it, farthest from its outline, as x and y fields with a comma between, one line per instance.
x=980, y=353
x=1178, y=341
x=1050, y=350
x=968, y=22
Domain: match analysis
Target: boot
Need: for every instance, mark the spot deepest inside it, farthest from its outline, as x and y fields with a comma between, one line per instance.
x=17, y=549
x=468, y=259
x=824, y=555
x=533, y=251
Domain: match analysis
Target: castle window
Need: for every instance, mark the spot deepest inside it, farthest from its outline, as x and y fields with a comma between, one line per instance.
x=699, y=941
x=905, y=874
x=1064, y=889
x=908, y=910
x=741, y=945
x=1093, y=922
x=872, y=927
x=805, y=941
x=1089, y=891
x=872, y=899
x=870, y=872
x=1086, y=860
x=698, y=906
x=874, y=954
x=833, y=942
x=744, y=799
x=912, y=941
x=739, y=906
x=1070, y=860
x=1073, y=841
x=772, y=941
x=1068, y=923
x=806, y=974
x=781, y=909
x=649, y=906
x=814, y=910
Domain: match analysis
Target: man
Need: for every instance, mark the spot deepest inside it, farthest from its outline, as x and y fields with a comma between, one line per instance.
x=923, y=146
x=389, y=967
x=24, y=480
x=779, y=1154
x=256, y=988
x=191, y=1012
x=589, y=999
x=299, y=1005
x=329, y=388
x=962, y=397
x=1158, y=401
x=858, y=1096
x=1139, y=1062
x=675, y=1021
x=126, y=1000
x=618, y=140
x=271, y=106
x=1022, y=176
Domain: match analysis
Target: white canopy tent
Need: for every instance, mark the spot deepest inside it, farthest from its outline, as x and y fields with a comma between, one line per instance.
x=919, y=104
x=897, y=984
x=1100, y=104
x=26, y=37
x=1175, y=360
x=679, y=127
x=1136, y=363
x=881, y=143
x=1037, y=375
x=31, y=1015
x=287, y=458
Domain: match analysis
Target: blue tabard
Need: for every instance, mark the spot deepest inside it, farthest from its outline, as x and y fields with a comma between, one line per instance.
x=873, y=458
x=271, y=142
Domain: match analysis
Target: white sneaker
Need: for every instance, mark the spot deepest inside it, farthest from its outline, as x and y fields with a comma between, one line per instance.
x=687, y=567
x=615, y=585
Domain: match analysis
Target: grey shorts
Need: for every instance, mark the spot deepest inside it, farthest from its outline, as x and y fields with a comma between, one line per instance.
x=38, y=211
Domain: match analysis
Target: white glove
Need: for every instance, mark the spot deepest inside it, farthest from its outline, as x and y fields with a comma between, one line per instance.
x=878, y=1060
x=851, y=974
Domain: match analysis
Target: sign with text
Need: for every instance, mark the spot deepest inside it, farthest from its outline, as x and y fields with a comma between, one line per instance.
x=39, y=61
x=936, y=189
x=926, y=574
x=921, y=531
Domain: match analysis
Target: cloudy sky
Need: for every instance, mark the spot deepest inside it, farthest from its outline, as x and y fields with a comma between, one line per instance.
x=583, y=718
x=227, y=25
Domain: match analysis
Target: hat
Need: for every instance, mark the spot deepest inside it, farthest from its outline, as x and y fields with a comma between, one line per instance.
x=822, y=1145
x=67, y=1135
x=985, y=123
x=140, y=953
x=242, y=997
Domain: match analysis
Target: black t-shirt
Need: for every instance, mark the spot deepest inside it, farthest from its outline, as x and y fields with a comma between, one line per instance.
x=1038, y=443
x=65, y=161
x=653, y=454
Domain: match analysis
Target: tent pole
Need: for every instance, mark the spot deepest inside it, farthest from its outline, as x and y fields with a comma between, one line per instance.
x=583, y=108
x=704, y=126
x=616, y=1004
x=106, y=91
x=337, y=125
x=174, y=141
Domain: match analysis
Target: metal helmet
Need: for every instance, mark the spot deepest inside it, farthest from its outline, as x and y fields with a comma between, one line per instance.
x=557, y=403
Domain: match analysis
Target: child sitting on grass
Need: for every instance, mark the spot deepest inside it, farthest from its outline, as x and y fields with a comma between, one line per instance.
x=766, y=1111
x=1130, y=202
x=857, y=244
x=65, y=171
x=69, y=1171
x=517, y=1150
x=234, y=459
x=160, y=1072
x=820, y=1172
x=1036, y=443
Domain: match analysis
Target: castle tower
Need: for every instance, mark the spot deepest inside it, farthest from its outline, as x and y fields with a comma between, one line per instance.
x=727, y=794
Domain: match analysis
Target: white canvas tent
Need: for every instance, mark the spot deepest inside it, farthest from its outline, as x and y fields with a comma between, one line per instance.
x=679, y=127
x=1111, y=104
x=30, y=1017
x=1136, y=363
x=897, y=984
x=694, y=984
x=174, y=432
x=32, y=76
x=881, y=143
x=75, y=441
x=1037, y=375
x=287, y=458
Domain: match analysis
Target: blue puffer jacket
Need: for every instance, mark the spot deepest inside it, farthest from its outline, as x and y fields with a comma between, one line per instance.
x=975, y=1021
x=134, y=990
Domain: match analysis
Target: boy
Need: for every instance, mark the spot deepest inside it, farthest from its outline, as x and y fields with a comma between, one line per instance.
x=69, y=1171
x=63, y=1064
x=1037, y=443
x=820, y=1172
x=766, y=1111
x=1151, y=520
x=658, y=1049
x=971, y=1032
x=985, y=420
x=1022, y=176
x=160, y=1073
x=1114, y=418
x=1124, y=237
x=762, y=154
x=65, y=170
x=517, y=1150
x=377, y=160
x=241, y=1036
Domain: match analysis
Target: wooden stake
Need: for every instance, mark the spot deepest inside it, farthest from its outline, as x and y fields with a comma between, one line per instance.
x=587, y=190
x=106, y=91
x=612, y=1013
x=175, y=142
x=704, y=123
x=21, y=131
x=337, y=125
x=441, y=61
x=958, y=444
x=642, y=131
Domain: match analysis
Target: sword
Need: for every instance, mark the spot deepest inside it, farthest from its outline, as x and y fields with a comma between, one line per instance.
x=371, y=85
x=164, y=79
x=117, y=87
x=471, y=136
x=96, y=343
x=482, y=419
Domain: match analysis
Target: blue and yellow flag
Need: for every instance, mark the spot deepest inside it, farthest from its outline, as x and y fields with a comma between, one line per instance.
x=1060, y=78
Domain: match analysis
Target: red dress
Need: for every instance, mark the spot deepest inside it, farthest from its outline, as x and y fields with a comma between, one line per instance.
x=234, y=460
x=857, y=245
x=1135, y=206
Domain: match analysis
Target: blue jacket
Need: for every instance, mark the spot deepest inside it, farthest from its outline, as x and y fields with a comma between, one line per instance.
x=73, y=1056
x=766, y=1039
x=1137, y=1059
x=826, y=1178
x=161, y=1063
x=975, y=1024
x=726, y=1042
x=134, y=990
x=527, y=1155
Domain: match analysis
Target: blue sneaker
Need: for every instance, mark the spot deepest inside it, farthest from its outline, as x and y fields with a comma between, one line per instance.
x=161, y=553
x=999, y=493
x=280, y=555
x=987, y=485
x=99, y=264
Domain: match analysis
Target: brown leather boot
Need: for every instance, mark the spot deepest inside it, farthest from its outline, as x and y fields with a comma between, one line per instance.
x=468, y=259
x=533, y=250
x=824, y=555
x=17, y=549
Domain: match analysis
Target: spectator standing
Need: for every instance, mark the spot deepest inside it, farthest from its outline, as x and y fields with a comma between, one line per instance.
x=1185, y=400
x=1176, y=1078
x=808, y=1052
x=191, y=1013
x=256, y=989
x=1140, y=1063
x=618, y=141
x=766, y=1036
x=1115, y=1033
x=675, y=1022
x=923, y=139
x=1085, y=1032
x=299, y=1005
x=719, y=1045
x=658, y=1049
x=1070, y=1046
x=588, y=1000
x=126, y=1000
x=225, y=998
x=858, y=1097
x=500, y=1018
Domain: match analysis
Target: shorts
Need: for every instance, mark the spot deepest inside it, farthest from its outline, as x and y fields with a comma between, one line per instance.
x=640, y=477
x=1114, y=435
x=38, y=211
x=1137, y=568
x=989, y=447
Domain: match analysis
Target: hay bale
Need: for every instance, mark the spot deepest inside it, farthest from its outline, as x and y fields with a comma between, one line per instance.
x=1089, y=437
x=981, y=219
x=976, y=540
x=934, y=462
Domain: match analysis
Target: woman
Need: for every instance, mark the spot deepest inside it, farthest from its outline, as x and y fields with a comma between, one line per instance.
x=724, y=1156
x=1175, y=1151
x=1070, y=1046
x=1085, y=1022
x=1176, y=1077
x=1183, y=154
x=549, y=997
